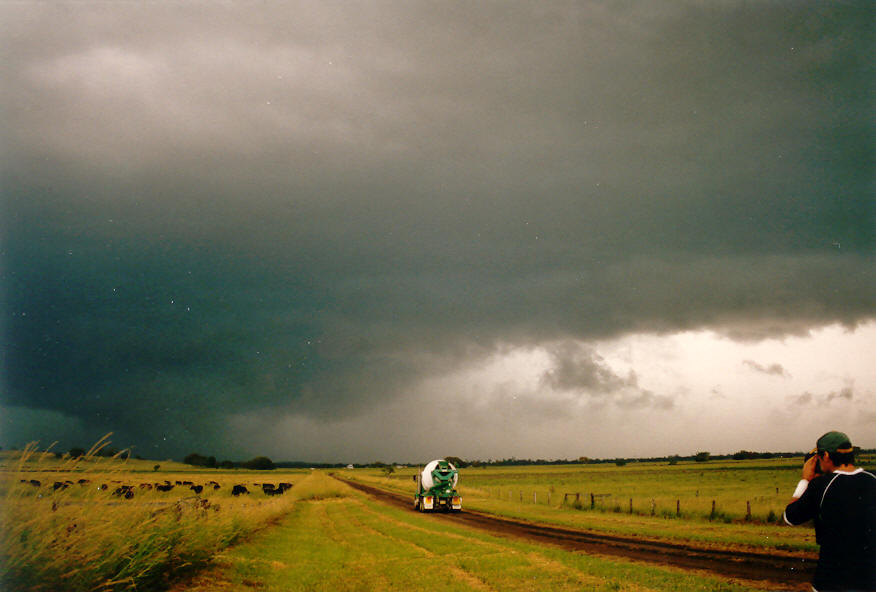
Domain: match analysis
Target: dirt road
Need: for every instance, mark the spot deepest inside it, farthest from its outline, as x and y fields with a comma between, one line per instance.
x=774, y=570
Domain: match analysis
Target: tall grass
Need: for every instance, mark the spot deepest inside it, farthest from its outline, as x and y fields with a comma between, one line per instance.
x=82, y=537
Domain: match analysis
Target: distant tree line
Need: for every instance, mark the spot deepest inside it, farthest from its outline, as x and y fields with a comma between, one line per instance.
x=259, y=463
x=265, y=463
x=702, y=456
x=77, y=451
x=460, y=463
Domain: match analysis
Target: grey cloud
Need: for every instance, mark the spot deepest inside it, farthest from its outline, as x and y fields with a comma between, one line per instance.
x=645, y=399
x=772, y=369
x=846, y=393
x=579, y=369
x=804, y=399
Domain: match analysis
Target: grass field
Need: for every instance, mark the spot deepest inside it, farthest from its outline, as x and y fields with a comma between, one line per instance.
x=351, y=543
x=323, y=535
x=668, y=501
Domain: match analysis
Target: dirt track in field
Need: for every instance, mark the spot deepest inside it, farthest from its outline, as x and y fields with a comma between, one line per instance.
x=774, y=571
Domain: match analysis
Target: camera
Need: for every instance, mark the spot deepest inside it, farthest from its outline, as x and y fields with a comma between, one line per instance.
x=810, y=454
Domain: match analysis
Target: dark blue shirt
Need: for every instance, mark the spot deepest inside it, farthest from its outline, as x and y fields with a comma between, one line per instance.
x=843, y=508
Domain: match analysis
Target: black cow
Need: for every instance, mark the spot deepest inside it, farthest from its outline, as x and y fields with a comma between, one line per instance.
x=163, y=487
x=239, y=489
x=197, y=488
x=125, y=491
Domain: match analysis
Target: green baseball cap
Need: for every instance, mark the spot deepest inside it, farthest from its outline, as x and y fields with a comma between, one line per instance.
x=834, y=442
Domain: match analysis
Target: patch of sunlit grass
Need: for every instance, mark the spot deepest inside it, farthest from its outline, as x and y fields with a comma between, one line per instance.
x=318, y=485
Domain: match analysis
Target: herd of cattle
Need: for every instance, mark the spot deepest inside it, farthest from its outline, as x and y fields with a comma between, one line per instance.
x=127, y=491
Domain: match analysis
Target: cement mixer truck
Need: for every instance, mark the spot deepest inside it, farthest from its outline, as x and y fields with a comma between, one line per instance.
x=436, y=488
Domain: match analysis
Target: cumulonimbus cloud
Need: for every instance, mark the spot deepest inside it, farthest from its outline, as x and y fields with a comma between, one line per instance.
x=313, y=207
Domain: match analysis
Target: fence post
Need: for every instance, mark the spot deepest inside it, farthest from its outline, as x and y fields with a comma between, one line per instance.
x=592, y=501
x=653, y=507
x=631, y=505
x=678, y=507
x=748, y=510
x=521, y=497
x=712, y=515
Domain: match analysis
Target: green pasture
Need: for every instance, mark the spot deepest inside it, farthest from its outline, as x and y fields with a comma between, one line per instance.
x=352, y=543
x=667, y=501
x=324, y=535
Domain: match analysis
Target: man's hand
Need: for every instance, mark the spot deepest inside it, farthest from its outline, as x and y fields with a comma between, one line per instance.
x=809, y=468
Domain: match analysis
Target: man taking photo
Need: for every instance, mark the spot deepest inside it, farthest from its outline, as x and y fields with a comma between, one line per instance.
x=841, y=499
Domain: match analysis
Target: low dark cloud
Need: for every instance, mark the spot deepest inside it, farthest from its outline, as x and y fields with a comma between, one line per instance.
x=309, y=208
x=579, y=369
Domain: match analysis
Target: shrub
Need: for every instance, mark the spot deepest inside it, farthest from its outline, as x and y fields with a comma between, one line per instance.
x=259, y=463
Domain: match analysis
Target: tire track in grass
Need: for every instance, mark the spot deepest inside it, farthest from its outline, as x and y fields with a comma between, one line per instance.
x=470, y=579
x=559, y=572
x=393, y=561
x=329, y=527
x=559, y=569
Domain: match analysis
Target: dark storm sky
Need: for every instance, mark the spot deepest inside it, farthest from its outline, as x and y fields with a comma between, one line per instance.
x=306, y=209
